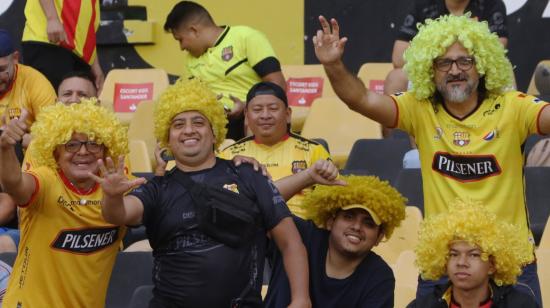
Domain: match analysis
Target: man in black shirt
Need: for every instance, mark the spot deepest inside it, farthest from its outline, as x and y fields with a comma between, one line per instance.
x=348, y=221
x=191, y=268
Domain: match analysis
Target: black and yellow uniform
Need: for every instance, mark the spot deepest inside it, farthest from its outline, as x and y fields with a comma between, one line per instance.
x=477, y=157
x=67, y=250
x=291, y=155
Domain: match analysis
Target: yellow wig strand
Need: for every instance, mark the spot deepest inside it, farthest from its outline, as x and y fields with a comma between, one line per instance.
x=56, y=124
x=432, y=41
x=189, y=95
x=324, y=201
x=471, y=222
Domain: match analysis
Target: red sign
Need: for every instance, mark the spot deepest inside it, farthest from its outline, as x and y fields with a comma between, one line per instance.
x=128, y=95
x=376, y=86
x=302, y=91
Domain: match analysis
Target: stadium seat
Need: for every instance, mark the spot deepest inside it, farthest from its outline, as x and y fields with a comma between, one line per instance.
x=139, y=156
x=530, y=143
x=403, y=295
x=537, y=196
x=131, y=269
x=374, y=74
x=405, y=271
x=545, y=239
x=543, y=264
x=409, y=184
x=380, y=157
x=142, y=128
x=539, y=75
x=322, y=142
x=8, y=257
x=330, y=119
x=141, y=297
x=124, y=89
x=291, y=72
x=403, y=238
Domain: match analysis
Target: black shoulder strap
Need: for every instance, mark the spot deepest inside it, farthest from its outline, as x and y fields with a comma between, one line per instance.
x=185, y=180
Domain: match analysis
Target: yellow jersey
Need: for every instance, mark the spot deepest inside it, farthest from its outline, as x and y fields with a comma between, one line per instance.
x=29, y=90
x=478, y=157
x=289, y=156
x=67, y=250
x=80, y=20
x=229, y=67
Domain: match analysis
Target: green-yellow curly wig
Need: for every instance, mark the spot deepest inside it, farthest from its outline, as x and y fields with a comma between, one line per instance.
x=388, y=204
x=56, y=124
x=432, y=41
x=189, y=95
x=471, y=222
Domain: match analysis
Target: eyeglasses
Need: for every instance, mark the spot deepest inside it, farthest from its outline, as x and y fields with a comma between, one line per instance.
x=74, y=146
x=445, y=65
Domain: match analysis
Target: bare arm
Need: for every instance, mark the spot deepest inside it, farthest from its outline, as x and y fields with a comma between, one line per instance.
x=277, y=78
x=294, y=255
x=399, y=48
x=329, y=48
x=321, y=172
x=8, y=208
x=544, y=121
x=55, y=30
x=117, y=208
x=98, y=75
x=20, y=186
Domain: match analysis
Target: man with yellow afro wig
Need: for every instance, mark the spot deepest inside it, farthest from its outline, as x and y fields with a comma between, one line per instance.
x=347, y=222
x=467, y=122
x=67, y=249
x=194, y=268
x=481, y=256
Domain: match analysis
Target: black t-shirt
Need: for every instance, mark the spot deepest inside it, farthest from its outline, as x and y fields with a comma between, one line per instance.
x=492, y=11
x=191, y=269
x=370, y=286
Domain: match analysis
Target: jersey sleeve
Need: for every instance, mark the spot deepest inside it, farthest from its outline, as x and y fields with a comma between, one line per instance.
x=270, y=202
x=528, y=112
x=408, y=29
x=148, y=194
x=496, y=17
x=406, y=116
x=40, y=93
x=260, y=54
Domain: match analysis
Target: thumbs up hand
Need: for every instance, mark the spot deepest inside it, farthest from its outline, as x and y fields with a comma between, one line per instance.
x=15, y=130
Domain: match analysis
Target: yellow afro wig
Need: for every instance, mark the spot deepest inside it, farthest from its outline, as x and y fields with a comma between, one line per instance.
x=56, y=124
x=381, y=198
x=189, y=95
x=437, y=35
x=470, y=221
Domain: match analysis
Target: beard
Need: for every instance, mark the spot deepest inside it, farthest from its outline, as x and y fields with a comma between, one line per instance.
x=455, y=94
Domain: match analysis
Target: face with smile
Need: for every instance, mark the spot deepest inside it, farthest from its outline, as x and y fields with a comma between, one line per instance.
x=72, y=90
x=353, y=233
x=78, y=157
x=466, y=269
x=192, y=141
x=267, y=117
x=455, y=74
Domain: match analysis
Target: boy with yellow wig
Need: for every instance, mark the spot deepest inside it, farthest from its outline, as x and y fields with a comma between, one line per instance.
x=481, y=256
x=347, y=222
x=67, y=249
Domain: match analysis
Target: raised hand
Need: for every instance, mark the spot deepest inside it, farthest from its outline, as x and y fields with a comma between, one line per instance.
x=160, y=170
x=324, y=172
x=328, y=45
x=113, y=181
x=238, y=108
x=15, y=130
x=239, y=159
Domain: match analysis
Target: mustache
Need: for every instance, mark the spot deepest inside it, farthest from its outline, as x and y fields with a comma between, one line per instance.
x=458, y=77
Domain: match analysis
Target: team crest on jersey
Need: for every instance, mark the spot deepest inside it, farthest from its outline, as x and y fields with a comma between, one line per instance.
x=465, y=168
x=491, y=135
x=298, y=165
x=461, y=138
x=227, y=53
x=231, y=187
x=85, y=240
